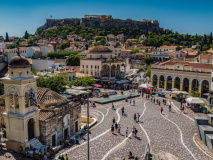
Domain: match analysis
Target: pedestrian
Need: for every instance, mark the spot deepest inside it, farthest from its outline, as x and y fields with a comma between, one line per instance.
x=130, y=101
x=40, y=155
x=151, y=99
x=165, y=102
x=122, y=111
x=159, y=103
x=127, y=131
x=138, y=117
x=142, y=94
x=66, y=158
x=112, y=129
x=135, y=117
x=116, y=126
x=138, y=91
x=113, y=107
x=119, y=128
x=136, y=131
x=161, y=110
x=133, y=102
x=170, y=108
x=62, y=157
x=146, y=96
x=154, y=100
x=113, y=120
x=84, y=103
x=133, y=130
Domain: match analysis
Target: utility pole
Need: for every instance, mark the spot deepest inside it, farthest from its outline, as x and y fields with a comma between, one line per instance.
x=88, y=125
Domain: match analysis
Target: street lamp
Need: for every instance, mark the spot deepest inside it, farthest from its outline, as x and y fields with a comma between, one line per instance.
x=88, y=125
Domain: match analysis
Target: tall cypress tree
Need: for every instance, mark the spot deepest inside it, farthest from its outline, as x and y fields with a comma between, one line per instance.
x=210, y=38
x=7, y=37
x=26, y=36
x=204, y=39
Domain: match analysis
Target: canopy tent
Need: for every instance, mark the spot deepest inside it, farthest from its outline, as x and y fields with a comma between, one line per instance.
x=194, y=100
x=146, y=85
x=75, y=92
x=175, y=89
x=97, y=85
x=180, y=92
x=81, y=88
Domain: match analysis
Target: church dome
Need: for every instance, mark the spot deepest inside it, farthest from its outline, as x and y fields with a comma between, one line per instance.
x=100, y=49
x=19, y=62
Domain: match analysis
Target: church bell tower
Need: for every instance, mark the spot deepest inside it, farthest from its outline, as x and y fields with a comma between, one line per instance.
x=22, y=113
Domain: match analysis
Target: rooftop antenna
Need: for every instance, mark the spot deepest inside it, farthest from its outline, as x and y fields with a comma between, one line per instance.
x=18, y=53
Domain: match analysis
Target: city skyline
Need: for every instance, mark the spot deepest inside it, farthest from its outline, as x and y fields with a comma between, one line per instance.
x=183, y=17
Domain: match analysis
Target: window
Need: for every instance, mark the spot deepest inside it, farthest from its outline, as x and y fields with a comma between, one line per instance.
x=95, y=67
x=82, y=66
x=86, y=66
x=26, y=100
x=73, y=78
x=90, y=56
x=27, y=72
x=98, y=67
x=20, y=73
x=70, y=78
x=11, y=72
x=91, y=66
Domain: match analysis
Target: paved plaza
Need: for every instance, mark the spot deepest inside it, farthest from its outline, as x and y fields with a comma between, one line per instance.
x=171, y=132
x=168, y=132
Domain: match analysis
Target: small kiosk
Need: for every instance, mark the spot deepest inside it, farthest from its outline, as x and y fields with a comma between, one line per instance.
x=205, y=129
x=194, y=103
x=209, y=141
x=146, y=88
x=210, y=119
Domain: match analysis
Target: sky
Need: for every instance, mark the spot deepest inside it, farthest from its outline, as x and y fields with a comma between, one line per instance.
x=183, y=16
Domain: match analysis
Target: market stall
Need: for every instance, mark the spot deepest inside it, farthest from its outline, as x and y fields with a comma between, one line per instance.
x=194, y=103
x=146, y=88
x=179, y=95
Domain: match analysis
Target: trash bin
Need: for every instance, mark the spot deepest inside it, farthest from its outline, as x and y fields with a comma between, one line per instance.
x=205, y=129
x=209, y=140
x=210, y=119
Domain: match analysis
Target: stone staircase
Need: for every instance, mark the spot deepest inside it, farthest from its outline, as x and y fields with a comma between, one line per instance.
x=35, y=143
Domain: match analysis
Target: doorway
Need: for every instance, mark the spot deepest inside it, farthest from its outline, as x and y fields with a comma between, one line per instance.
x=76, y=126
x=66, y=133
x=30, y=126
x=54, y=140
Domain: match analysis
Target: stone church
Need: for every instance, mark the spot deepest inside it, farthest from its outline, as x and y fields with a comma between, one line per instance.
x=25, y=122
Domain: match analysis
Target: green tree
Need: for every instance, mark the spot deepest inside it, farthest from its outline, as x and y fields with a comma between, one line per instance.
x=178, y=48
x=30, y=41
x=149, y=60
x=56, y=83
x=7, y=37
x=204, y=39
x=148, y=71
x=73, y=60
x=61, y=54
x=26, y=35
x=1, y=88
x=87, y=46
x=83, y=81
x=117, y=44
x=210, y=38
x=135, y=50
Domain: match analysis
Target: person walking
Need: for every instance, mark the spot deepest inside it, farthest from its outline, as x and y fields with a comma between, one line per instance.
x=157, y=101
x=113, y=107
x=151, y=99
x=146, y=96
x=133, y=130
x=122, y=111
x=142, y=94
x=112, y=129
x=170, y=108
x=119, y=128
x=66, y=157
x=161, y=110
x=136, y=131
x=135, y=117
x=133, y=102
x=113, y=120
x=138, y=117
x=130, y=101
x=154, y=100
x=183, y=109
x=116, y=126
x=126, y=131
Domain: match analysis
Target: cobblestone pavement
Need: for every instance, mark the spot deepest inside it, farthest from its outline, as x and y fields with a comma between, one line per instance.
x=169, y=132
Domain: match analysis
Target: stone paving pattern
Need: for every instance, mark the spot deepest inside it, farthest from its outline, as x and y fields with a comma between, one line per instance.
x=163, y=134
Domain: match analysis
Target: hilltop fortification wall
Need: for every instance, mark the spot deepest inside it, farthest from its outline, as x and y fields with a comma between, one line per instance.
x=103, y=22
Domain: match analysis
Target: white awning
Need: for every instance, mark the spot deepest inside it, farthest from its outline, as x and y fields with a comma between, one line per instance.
x=146, y=85
x=194, y=100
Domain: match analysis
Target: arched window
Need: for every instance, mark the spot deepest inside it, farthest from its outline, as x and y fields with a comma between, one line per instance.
x=26, y=100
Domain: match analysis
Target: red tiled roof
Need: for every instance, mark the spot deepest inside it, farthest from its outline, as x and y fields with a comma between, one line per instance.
x=139, y=54
x=165, y=46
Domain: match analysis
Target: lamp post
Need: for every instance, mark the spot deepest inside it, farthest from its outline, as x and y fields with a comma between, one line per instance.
x=88, y=125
